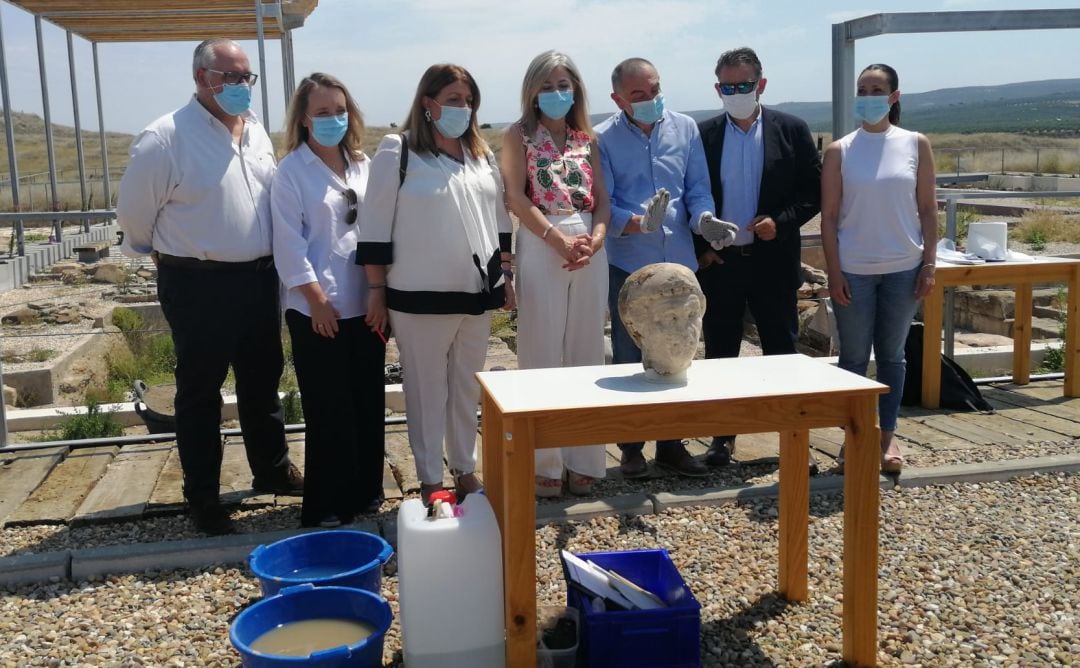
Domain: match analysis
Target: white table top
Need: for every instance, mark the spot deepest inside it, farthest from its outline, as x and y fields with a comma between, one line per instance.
x=540, y=390
x=1036, y=259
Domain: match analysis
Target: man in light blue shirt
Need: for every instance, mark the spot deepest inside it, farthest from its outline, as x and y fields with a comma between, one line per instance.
x=644, y=148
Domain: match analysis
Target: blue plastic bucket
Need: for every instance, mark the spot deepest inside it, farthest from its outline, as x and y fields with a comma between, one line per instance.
x=304, y=602
x=338, y=558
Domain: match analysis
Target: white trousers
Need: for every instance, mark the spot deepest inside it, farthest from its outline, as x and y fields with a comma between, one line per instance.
x=561, y=323
x=439, y=355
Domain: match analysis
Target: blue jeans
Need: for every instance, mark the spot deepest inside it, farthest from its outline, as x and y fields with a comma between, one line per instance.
x=623, y=348
x=879, y=315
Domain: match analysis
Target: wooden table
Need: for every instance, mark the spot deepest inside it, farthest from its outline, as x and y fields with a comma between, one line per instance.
x=1021, y=275
x=790, y=394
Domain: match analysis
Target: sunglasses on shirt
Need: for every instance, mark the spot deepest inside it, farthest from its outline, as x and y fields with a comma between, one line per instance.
x=741, y=88
x=350, y=195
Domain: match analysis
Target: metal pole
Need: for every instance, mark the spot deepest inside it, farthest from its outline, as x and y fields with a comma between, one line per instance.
x=9, y=135
x=53, y=202
x=843, y=80
x=3, y=414
x=262, y=62
x=107, y=204
x=1002, y=162
x=1036, y=160
x=286, y=80
x=958, y=162
x=78, y=127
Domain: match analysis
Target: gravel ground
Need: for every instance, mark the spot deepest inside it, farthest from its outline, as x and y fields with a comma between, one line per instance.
x=990, y=580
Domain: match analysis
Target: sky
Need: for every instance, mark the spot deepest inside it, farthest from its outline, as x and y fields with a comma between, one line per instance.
x=380, y=49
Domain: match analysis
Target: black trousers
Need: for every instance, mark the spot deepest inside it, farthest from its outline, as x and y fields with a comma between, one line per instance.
x=767, y=284
x=343, y=395
x=222, y=316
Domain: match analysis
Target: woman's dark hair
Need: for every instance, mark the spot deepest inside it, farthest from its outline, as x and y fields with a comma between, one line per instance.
x=894, y=83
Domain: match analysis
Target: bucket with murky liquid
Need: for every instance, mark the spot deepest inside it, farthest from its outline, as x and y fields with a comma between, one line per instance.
x=307, y=625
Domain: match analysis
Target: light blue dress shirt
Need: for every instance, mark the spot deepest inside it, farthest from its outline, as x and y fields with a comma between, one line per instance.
x=635, y=166
x=740, y=177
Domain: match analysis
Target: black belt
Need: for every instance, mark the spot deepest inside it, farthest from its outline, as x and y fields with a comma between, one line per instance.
x=180, y=262
x=738, y=251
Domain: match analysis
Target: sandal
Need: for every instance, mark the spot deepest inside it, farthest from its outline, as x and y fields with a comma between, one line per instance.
x=466, y=483
x=892, y=459
x=427, y=490
x=580, y=485
x=548, y=488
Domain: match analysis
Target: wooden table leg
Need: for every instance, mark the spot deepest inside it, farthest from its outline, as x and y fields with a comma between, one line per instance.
x=519, y=544
x=1072, y=335
x=491, y=429
x=931, y=354
x=1022, y=335
x=794, y=512
x=861, y=497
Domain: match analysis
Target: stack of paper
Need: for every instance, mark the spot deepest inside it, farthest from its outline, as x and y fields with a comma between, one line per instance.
x=613, y=589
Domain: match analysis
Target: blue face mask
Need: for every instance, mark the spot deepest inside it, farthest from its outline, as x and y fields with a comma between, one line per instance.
x=555, y=104
x=872, y=108
x=329, y=130
x=649, y=111
x=234, y=99
x=454, y=121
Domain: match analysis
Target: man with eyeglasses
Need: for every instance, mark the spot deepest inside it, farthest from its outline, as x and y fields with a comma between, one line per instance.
x=766, y=175
x=196, y=198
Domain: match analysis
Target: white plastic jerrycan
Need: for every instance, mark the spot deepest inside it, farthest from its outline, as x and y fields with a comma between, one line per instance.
x=450, y=587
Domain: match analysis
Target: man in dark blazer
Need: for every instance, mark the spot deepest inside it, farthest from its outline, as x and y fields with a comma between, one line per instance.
x=766, y=179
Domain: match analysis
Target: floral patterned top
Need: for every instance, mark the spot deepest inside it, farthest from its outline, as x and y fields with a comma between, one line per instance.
x=559, y=183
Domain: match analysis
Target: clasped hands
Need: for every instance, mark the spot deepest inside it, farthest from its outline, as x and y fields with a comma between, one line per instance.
x=578, y=250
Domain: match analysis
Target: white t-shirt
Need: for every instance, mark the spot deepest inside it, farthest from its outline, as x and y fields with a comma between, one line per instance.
x=879, y=230
x=312, y=240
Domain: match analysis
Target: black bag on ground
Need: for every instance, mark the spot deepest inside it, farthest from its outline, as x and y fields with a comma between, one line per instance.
x=958, y=391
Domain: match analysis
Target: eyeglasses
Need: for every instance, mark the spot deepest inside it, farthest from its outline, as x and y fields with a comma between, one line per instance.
x=350, y=195
x=237, y=77
x=739, y=88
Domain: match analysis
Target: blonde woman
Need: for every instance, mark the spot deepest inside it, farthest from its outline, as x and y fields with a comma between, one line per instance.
x=551, y=165
x=317, y=202
x=435, y=250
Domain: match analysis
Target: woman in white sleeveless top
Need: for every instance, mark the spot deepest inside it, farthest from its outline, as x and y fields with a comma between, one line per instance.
x=879, y=233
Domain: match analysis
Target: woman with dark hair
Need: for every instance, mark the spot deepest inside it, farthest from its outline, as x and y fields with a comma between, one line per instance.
x=879, y=233
x=436, y=239
x=551, y=165
x=317, y=201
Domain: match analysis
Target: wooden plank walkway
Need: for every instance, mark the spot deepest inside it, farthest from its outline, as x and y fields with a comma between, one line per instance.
x=101, y=484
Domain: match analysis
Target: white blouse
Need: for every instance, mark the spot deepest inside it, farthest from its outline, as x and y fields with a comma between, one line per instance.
x=433, y=223
x=312, y=241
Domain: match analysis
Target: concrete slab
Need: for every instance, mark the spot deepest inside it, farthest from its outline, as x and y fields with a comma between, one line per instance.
x=28, y=568
x=576, y=510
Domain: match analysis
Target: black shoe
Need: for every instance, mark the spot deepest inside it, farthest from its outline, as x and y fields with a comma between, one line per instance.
x=720, y=451
x=210, y=517
x=677, y=460
x=285, y=480
x=632, y=464
x=372, y=507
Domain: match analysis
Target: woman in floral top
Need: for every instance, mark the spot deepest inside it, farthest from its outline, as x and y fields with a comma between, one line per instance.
x=551, y=166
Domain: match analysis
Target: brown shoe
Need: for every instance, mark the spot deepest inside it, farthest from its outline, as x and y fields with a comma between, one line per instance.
x=632, y=464
x=678, y=460
x=210, y=517
x=285, y=480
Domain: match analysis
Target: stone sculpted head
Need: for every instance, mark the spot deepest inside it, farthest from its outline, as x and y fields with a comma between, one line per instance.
x=661, y=306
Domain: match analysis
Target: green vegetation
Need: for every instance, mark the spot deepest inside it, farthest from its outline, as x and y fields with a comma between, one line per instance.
x=290, y=404
x=1054, y=356
x=963, y=218
x=95, y=423
x=148, y=356
x=1041, y=225
x=504, y=326
x=35, y=355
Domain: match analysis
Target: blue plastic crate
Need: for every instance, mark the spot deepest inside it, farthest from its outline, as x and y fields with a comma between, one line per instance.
x=664, y=638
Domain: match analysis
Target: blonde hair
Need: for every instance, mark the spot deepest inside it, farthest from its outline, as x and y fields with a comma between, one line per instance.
x=295, y=131
x=539, y=70
x=420, y=133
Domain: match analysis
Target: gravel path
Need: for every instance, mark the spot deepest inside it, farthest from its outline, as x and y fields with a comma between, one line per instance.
x=989, y=579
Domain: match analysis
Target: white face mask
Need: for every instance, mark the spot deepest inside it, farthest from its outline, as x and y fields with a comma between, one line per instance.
x=740, y=106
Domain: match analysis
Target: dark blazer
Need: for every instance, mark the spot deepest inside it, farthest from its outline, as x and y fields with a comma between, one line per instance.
x=790, y=181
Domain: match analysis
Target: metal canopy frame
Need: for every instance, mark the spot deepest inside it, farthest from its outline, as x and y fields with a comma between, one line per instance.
x=134, y=21
x=844, y=36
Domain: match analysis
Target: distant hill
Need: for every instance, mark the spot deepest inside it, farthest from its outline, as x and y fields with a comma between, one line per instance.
x=1051, y=107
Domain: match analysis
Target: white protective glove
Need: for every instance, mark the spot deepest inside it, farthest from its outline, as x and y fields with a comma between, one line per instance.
x=719, y=233
x=655, y=211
